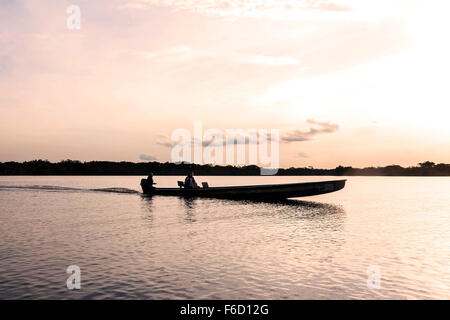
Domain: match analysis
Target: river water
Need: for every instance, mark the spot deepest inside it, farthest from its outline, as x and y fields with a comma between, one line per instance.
x=378, y=238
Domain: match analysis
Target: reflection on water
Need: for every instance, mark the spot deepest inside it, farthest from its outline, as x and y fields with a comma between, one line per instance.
x=133, y=246
x=189, y=204
x=287, y=209
x=147, y=205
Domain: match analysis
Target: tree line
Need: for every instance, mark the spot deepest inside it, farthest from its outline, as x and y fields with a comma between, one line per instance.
x=75, y=167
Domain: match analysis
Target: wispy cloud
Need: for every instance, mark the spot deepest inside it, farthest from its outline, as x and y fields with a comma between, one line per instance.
x=242, y=137
x=299, y=135
x=234, y=137
x=293, y=10
x=146, y=157
x=243, y=8
x=186, y=53
x=303, y=155
x=167, y=144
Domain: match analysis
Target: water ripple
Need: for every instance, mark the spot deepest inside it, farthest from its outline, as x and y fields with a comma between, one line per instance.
x=174, y=248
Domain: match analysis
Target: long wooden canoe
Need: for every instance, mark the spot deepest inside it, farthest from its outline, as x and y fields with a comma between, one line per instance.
x=266, y=192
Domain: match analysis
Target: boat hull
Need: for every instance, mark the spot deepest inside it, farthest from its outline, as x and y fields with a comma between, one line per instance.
x=273, y=191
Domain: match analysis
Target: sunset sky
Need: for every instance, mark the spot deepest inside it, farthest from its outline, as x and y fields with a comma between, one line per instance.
x=347, y=82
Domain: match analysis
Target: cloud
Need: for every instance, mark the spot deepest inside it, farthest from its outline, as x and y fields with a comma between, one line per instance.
x=281, y=9
x=166, y=144
x=285, y=10
x=146, y=157
x=303, y=155
x=164, y=141
x=183, y=54
x=299, y=135
x=221, y=138
x=242, y=137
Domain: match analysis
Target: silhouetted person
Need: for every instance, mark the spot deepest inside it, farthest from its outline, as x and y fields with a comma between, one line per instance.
x=189, y=182
x=150, y=179
x=148, y=183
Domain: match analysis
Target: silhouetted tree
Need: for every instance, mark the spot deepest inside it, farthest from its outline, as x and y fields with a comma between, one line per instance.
x=75, y=167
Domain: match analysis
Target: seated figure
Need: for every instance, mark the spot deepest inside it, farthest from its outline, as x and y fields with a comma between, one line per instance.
x=189, y=182
x=148, y=183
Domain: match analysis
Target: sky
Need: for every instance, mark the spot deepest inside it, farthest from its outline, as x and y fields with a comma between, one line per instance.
x=346, y=82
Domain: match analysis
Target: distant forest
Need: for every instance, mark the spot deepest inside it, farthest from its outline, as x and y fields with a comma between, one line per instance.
x=74, y=167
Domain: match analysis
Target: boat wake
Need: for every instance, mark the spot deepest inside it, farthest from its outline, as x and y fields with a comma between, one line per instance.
x=68, y=189
x=116, y=190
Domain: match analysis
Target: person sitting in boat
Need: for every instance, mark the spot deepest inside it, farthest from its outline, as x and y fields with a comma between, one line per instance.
x=149, y=181
x=189, y=182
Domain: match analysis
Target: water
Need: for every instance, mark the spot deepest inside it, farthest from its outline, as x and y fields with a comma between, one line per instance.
x=131, y=246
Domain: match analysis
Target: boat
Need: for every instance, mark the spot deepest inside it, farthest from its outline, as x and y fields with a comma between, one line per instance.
x=260, y=192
